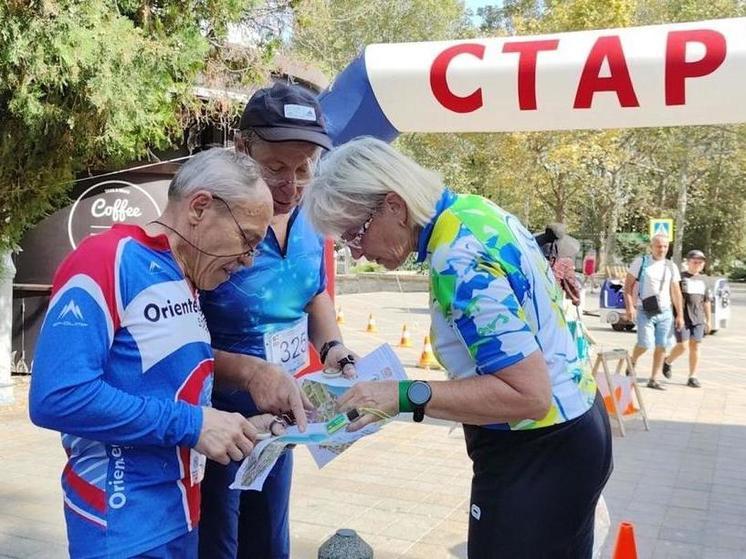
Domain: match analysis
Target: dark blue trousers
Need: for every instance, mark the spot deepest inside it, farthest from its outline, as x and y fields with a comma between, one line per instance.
x=245, y=524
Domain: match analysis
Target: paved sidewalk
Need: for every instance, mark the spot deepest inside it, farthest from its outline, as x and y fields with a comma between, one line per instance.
x=406, y=490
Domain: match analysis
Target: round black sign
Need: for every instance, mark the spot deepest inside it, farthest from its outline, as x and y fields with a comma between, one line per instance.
x=106, y=204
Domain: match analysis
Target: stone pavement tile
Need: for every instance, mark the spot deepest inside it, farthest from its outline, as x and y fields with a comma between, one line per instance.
x=17, y=546
x=620, y=490
x=736, y=519
x=719, y=553
x=372, y=521
x=684, y=515
x=51, y=552
x=301, y=548
x=392, y=504
x=689, y=498
x=738, y=509
x=310, y=532
x=725, y=536
x=645, y=548
x=423, y=550
x=692, y=533
x=655, y=495
x=447, y=532
x=386, y=546
x=410, y=527
x=694, y=483
x=329, y=513
x=37, y=529
x=646, y=529
x=647, y=508
x=441, y=512
x=665, y=549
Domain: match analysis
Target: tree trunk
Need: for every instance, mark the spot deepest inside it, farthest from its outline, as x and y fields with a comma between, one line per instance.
x=611, y=227
x=681, y=202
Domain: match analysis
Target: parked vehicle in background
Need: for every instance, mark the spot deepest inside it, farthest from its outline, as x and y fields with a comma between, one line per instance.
x=720, y=289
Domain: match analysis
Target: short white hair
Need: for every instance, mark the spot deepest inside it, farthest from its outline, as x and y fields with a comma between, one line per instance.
x=661, y=236
x=229, y=175
x=354, y=178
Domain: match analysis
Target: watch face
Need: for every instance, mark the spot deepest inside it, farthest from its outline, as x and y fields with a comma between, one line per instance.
x=419, y=393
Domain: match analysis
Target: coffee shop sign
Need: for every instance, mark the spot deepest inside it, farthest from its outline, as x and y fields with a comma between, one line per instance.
x=120, y=210
x=106, y=204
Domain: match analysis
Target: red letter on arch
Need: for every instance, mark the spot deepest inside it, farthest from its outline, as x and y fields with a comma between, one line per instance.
x=439, y=84
x=678, y=69
x=606, y=48
x=527, y=54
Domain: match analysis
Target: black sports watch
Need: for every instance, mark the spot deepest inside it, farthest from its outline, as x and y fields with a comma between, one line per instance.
x=326, y=347
x=419, y=394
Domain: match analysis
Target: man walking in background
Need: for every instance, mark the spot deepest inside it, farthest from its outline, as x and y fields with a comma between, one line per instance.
x=697, y=316
x=658, y=289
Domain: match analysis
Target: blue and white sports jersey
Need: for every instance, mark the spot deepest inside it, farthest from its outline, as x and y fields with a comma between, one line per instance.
x=270, y=296
x=123, y=364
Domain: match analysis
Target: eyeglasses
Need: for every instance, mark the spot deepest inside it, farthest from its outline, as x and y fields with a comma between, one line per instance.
x=355, y=241
x=278, y=179
x=252, y=251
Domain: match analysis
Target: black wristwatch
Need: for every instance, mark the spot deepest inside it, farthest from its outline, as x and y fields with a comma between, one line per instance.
x=419, y=394
x=326, y=347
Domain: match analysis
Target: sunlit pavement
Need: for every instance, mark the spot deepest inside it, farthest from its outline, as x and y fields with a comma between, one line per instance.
x=405, y=490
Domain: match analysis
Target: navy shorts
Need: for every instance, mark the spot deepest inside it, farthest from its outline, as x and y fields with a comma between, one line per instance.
x=534, y=492
x=694, y=332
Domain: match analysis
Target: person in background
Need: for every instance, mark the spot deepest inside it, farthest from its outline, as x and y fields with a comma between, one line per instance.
x=658, y=290
x=697, y=317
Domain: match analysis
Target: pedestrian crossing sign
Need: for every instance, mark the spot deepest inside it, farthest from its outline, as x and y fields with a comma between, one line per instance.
x=661, y=226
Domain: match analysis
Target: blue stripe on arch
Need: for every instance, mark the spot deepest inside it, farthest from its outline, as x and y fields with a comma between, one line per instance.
x=351, y=109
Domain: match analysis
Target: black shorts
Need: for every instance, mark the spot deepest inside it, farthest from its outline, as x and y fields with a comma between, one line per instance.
x=534, y=493
x=694, y=332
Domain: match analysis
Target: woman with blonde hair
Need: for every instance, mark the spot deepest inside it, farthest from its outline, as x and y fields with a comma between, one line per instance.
x=534, y=424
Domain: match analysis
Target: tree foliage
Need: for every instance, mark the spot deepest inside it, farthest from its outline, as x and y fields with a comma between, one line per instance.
x=600, y=183
x=86, y=84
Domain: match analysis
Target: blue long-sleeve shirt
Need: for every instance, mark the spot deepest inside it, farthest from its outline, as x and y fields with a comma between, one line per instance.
x=122, y=367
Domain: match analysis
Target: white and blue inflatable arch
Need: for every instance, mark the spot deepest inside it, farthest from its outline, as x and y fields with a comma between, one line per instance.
x=664, y=75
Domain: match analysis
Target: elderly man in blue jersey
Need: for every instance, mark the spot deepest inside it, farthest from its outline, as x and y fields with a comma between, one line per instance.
x=271, y=311
x=124, y=365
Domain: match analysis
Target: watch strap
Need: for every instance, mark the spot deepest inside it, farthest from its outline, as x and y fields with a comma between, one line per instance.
x=326, y=347
x=405, y=406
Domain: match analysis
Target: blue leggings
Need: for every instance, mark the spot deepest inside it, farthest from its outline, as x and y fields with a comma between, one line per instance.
x=245, y=524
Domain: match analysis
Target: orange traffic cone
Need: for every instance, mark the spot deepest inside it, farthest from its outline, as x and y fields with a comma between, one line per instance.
x=625, y=547
x=340, y=316
x=427, y=359
x=406, y=340
x=371, y=328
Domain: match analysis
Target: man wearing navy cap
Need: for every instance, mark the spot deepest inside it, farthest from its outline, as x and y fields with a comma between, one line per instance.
x=271, y=311
x=697, y=316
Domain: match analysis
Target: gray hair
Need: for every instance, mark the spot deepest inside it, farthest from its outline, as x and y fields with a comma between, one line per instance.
x=661, y=236
x=248, y=137
x=227, y=174
x=355, y=177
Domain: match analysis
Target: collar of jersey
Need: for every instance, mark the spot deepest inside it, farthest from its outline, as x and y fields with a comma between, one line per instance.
x=446, y=201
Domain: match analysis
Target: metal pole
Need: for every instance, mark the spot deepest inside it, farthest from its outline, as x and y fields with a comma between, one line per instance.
x=7, y=273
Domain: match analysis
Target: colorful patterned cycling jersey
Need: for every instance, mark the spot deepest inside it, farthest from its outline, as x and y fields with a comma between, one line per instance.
x=123, y=364
x=494, y=301
x=266, y=303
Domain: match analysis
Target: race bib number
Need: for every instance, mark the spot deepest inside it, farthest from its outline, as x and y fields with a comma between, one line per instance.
x=197, y=463
x=289, y=348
